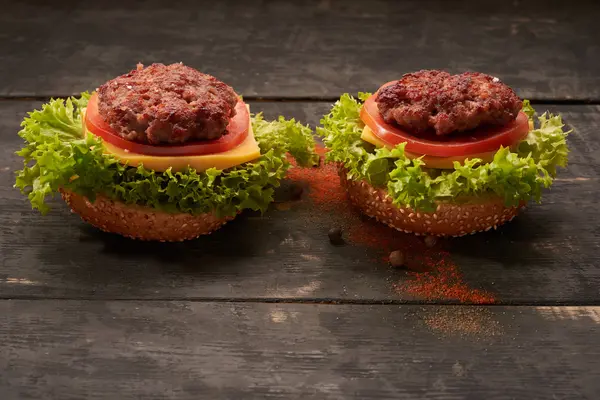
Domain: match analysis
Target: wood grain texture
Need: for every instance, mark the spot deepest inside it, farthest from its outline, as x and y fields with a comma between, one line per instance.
x=548, y=254
x=545, y=49
x=181, y=350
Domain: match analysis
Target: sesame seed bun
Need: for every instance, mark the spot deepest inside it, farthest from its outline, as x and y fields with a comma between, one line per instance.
x=143, y=223
x=476, y=215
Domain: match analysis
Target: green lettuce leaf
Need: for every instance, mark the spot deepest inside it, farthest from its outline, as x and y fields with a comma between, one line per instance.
x=56, y=154
x=515, y=176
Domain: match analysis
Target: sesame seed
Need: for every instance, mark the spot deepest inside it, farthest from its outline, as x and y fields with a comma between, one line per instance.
x=495, y=80
x=411, y=215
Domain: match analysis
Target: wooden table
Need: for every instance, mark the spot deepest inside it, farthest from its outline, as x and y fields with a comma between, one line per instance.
x=266, y=307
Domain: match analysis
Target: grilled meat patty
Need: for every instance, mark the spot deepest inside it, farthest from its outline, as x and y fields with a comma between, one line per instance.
x=167, y=104
x=435, y=100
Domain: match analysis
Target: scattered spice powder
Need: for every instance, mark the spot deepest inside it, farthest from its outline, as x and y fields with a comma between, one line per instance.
x=433, y=275
x=443, y=281
x=323, y=183
x=473, y=322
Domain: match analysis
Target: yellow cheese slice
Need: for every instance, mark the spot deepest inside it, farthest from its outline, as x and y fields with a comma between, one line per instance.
x=369, y=137
x=246, y=151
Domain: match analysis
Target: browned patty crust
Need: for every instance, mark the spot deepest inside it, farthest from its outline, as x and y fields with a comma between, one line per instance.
x=435, y=100
x=163, y=104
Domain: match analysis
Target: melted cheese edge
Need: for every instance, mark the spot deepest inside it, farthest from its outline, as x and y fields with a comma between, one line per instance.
x=246, y=151
x=369, y=137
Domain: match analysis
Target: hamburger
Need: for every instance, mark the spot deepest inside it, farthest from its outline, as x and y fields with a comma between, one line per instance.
x=163, y=152
x=443, y=155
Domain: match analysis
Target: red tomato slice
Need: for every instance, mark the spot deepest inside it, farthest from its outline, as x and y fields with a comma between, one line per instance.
x=479, y=141
x=237, y=132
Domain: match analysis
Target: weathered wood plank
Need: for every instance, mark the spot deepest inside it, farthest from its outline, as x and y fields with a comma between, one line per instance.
x=545, y=49
x=548, y=254
x=182, y=350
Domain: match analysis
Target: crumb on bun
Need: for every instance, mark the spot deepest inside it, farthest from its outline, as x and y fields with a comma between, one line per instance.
x=448, y=220
x=143, y=223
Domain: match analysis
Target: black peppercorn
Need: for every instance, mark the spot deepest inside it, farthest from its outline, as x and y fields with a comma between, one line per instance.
x=335, y=236
x=430, y=241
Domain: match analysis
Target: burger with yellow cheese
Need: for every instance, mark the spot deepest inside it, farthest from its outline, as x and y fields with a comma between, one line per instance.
x=161, y=153
x=440, y=154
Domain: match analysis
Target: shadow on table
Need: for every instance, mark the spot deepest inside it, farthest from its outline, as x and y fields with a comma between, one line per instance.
x=254, y=253
x=509, y=244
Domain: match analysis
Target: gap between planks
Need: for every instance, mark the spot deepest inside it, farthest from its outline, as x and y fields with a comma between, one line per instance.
x=308, y=301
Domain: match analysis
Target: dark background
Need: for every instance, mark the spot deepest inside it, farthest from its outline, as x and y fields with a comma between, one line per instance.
x=266, y=307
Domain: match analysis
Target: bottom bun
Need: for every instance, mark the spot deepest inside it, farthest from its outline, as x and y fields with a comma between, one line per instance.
x=143, y=223
x=449, y=219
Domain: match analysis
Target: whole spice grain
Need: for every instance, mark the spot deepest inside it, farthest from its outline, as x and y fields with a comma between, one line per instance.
x=335, y=236
x=430, y=241
x=396, y=259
